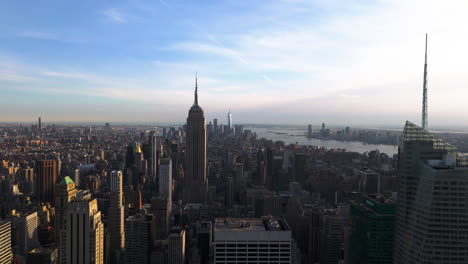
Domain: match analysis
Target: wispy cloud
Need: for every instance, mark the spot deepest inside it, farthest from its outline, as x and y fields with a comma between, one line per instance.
x=115, y=15
x=38, y=35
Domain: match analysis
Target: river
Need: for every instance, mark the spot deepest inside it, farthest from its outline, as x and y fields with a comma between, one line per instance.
x=297, y=136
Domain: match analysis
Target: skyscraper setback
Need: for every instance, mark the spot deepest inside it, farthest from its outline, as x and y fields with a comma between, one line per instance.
x=195, y=156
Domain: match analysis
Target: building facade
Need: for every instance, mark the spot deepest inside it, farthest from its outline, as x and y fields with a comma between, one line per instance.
x=116, y=217
x=85, y=231
x=372, y=236
x=176, y=246
x=6, y=254
x=46, y=177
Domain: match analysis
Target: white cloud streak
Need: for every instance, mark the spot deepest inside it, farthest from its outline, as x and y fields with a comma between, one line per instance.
x=114, y=15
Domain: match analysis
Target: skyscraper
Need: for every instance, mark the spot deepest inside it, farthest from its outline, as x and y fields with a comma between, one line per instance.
x=65, y=192
x=26, y=227
x=176, y=246
x=139, y=238
x=165, y=178
x=195, y=156
x=116, y=219
x=45, y=180
x=229, y=119
x=152, y=157
x=371, y=240
x=39, y=124
x=6, y=255
x=431, y=215
x=161, y=209
x=85, y=231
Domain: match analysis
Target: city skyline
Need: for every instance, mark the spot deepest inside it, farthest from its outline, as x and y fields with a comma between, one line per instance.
x=136, y=62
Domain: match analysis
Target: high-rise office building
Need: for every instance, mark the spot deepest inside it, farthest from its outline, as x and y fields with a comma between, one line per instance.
x=85, y=231
x=165, y=178
x=26, y=228
x=299, y=167
x=215, y=125
x=176, y=246
x=204, y=240
x=161, y=208
x=6, y=254
x=39, y=124
x=229, y=120
x=116, y=217
x=371, y=240
x=331, y=242
x=195, y=155
x=431, y=215
x=139, y=238
x=65, y=193
x=46, y=177
x=152, y=157
x=253, y=240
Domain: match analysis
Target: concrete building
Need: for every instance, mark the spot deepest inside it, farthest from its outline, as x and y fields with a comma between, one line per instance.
x=176, y=246
x=139, y=230
x=6, y=254
x=165, y=178
x=161, y=208
x=65, y=193
x=26, y=228
x=85, y=231
x=116, y=217
x=252, y=240
x=46, y=177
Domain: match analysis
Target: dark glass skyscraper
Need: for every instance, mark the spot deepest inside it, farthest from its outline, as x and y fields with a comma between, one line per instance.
x=431, y=225
x=195, y=154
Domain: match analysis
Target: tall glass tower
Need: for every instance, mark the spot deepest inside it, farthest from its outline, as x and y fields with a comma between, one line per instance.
x=431, y=220
x=229, y=119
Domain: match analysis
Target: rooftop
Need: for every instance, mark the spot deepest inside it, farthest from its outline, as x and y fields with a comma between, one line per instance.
x=250, y=224
x=66, y=180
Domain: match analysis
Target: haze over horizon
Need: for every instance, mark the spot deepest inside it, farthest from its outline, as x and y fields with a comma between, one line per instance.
x=338, y=62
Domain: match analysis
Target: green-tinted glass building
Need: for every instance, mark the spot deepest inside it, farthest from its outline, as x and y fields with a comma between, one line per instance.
x=371, y=238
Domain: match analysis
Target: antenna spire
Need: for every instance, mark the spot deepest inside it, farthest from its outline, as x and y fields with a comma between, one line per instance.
x=424, y=106
x=195, y=103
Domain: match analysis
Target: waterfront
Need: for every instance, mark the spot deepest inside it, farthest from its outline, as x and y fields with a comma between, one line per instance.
x=297, y=136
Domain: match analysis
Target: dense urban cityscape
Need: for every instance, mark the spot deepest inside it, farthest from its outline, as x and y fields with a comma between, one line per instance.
x=223, y=191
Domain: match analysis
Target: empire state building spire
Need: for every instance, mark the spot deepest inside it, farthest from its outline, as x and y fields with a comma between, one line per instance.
x=195, y=103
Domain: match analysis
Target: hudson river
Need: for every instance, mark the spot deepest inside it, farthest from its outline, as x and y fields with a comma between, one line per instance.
x=297, y=136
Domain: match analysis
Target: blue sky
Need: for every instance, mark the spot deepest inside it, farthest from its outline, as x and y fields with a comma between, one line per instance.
x=287, y=61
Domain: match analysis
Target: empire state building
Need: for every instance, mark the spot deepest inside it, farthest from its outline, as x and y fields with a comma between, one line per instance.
x=195, y=154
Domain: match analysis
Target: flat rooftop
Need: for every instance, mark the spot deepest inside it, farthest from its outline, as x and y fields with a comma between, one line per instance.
x=250, y=224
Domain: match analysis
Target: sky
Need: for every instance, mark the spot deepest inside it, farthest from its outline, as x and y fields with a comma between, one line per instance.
x=342, y=62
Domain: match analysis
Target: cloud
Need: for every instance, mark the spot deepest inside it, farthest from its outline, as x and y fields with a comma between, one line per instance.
x=114, y=15
x=38, y=35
